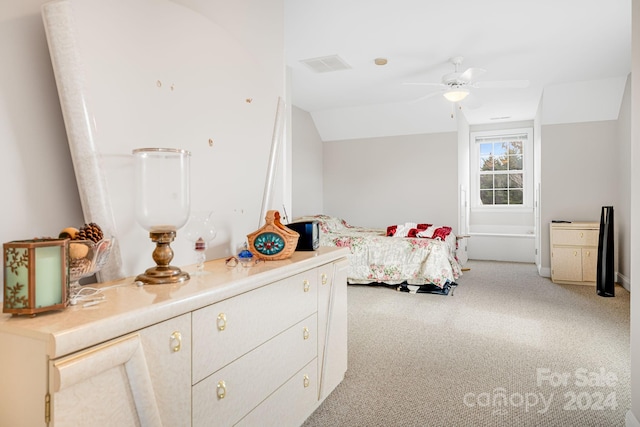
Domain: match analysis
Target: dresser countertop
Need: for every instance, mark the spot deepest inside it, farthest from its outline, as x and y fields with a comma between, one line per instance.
x=128, y=307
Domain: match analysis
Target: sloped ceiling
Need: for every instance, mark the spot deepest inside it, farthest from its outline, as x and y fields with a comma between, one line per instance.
x=575, y=53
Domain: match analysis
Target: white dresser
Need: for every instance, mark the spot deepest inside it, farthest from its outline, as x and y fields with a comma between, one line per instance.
x=260, y=346
x=574, y=252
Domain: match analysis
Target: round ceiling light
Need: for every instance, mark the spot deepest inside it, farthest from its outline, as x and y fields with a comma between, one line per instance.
x=456, y=94
x=380, y=61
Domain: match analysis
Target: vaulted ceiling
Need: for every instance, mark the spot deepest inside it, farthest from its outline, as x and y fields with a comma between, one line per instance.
x=575, y=54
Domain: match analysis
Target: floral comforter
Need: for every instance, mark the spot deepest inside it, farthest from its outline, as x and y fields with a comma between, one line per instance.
x=376, y=258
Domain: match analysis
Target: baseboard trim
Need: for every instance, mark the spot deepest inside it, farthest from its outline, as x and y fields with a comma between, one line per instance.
x=631, y=420
x=544, y=272
x=620, y=278
x=624, y=281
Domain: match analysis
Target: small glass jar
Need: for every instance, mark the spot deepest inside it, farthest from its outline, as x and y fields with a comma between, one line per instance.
x=245, y=257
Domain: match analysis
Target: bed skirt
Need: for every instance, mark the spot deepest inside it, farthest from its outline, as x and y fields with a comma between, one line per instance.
x=420, y=289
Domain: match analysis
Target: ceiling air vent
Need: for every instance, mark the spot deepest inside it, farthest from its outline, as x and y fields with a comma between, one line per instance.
x=326, y=64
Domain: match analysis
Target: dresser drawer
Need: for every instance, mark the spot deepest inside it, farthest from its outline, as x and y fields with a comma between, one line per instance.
x=290, y=405
x=575, y=237
x=230, y=393
x=224, y=331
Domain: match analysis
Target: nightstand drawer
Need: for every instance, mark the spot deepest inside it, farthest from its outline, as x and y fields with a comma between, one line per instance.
x=575, y=237
x=224, y=331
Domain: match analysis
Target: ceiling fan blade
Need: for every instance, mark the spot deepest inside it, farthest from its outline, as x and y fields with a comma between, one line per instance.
x=422, y=84
x=505, y=84
x=427, y=96
x=472, y=74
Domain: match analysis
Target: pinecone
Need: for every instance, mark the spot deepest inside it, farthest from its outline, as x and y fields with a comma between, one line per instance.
x=91, y=231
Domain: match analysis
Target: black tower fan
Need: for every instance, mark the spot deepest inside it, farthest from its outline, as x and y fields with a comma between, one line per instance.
x=605, y=281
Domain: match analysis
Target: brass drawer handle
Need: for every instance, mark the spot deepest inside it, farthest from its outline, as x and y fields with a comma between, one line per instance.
x=324, y=278
x=221, y=390
x=305, y=380
x=306, y=285
x=176, y=341
x=305, y=333
x=575, y=253
x=222, y=321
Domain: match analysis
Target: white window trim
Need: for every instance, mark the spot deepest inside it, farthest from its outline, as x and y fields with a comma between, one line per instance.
x=474, y=176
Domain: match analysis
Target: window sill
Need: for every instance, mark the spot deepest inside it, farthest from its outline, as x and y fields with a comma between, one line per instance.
x=519, y=235
x=502, y=209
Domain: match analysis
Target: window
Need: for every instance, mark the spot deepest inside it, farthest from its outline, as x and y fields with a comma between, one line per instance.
x=502, y=168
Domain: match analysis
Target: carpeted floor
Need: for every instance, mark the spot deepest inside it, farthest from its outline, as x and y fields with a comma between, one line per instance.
x=509, y=348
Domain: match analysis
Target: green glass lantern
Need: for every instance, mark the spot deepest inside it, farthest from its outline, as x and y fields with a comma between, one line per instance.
x=36, y=276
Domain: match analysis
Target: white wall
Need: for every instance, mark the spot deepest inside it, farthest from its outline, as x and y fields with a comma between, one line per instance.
x=377, y=182
x=588, y=101
x=622, y=211
x=537, y=179
x=37, y=162
x=382, y=120
x=307, y=186
x=38, y=192
x=579, y=174
x=633, y=416
x=463, y=174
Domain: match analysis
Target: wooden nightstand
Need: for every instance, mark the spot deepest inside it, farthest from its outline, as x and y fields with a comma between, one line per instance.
x=574, y=252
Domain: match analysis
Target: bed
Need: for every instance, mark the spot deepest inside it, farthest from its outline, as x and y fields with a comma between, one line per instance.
x=411, y=264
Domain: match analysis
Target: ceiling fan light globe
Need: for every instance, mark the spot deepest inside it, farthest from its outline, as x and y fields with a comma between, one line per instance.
x=456, y=95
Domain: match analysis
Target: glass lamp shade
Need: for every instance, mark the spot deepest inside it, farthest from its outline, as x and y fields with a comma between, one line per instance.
x=162, y=188
x=162, y=206
x=36, y=276
x=456, y=94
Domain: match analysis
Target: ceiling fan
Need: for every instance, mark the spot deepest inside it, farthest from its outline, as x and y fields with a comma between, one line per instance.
x=456, y=86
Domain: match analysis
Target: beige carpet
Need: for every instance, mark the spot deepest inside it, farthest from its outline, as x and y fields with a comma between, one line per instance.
x=509, y=348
